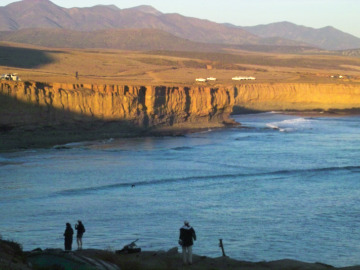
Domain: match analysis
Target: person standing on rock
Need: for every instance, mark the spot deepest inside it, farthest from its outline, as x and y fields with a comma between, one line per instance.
x=68, y=234
x=187, y=235
x=79, y=227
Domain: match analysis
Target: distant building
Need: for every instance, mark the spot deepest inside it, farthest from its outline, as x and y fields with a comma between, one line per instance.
x=200, y=79
x=10, y=77
x=239, y=78
x=337, y=76
x=211, y=79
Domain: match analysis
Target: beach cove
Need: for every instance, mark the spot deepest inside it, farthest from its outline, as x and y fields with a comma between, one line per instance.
x=281, y=186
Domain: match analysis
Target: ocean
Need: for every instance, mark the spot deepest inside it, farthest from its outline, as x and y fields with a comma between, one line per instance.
x=280, y=186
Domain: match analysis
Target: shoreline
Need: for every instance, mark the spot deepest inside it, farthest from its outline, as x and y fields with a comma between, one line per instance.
x=20, y=139
x=325, y=113
x=23, y=138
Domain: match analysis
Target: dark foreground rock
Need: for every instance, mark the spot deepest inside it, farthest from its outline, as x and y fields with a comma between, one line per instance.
x=13, y=258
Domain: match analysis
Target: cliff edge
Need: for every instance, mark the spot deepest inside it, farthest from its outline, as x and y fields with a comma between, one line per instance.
x=34, y=114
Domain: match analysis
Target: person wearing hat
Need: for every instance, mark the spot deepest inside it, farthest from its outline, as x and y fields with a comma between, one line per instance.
x=80, y=231
x=187, y=235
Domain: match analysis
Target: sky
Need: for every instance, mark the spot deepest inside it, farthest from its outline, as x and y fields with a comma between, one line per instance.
x=341, y=14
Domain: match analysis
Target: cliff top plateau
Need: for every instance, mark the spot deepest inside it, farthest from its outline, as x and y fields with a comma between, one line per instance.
x=164, y=67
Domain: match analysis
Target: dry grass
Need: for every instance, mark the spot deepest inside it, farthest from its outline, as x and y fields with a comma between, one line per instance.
x=103, y=66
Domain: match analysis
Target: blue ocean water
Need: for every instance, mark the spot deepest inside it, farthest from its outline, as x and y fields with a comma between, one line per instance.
x=280, y=187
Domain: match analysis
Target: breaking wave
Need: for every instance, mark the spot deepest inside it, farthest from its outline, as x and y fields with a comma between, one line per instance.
x=291, y=124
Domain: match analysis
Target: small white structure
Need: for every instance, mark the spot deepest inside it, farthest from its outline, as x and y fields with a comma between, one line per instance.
x=211, y=79
x=200, y=79
x=337, y=76
x=10, y=77
x=239, y=78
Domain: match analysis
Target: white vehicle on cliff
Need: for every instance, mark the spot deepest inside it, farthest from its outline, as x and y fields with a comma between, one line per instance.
x=240, y=78
x=10, y=77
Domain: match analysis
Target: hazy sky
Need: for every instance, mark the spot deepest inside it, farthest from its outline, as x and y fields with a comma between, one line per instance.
x=342, y=14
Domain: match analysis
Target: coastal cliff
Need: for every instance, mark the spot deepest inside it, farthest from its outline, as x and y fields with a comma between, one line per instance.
x=34, y=114
x=300, y=97
x=142, y=106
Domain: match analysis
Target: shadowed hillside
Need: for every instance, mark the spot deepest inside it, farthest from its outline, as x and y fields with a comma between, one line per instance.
x=23, y=57
x=27, y=125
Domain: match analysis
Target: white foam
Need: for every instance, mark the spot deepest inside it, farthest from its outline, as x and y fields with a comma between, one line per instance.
x=290, y=125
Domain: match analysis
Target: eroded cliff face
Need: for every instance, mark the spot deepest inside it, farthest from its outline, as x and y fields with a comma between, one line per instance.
x=159, y=107
x=138, y=105
x=278, y=96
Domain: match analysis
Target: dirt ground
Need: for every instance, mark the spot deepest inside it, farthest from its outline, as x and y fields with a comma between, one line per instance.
x=100, y=66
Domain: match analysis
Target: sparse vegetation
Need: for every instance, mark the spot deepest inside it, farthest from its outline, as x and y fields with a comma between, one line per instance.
x=11, y=255
x=158, y=61
x=272, y=60
x=103, y=66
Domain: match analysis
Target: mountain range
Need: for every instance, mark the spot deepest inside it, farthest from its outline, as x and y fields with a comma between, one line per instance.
x=20, y=21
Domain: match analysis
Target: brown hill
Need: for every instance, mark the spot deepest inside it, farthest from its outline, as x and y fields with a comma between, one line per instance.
x=355, y=52
x=131, y=39
x=327, y=37
x=45, y=14
x=123, y=39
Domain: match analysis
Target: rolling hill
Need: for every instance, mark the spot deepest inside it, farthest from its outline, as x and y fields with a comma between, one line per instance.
x=327, y=37
x=43, y=14
x=122, y=39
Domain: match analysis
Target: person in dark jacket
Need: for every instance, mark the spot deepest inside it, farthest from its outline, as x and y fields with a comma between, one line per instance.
x=187, y=235
x=68, y=237
x=79, y=227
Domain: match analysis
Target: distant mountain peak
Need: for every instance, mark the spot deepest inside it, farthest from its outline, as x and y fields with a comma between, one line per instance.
x=147, y=9
x=37, y=1
x=328, y=28
x=113, y=7
x=31, y=3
